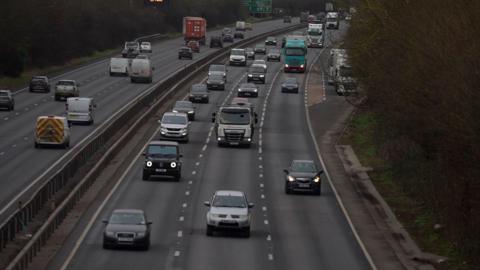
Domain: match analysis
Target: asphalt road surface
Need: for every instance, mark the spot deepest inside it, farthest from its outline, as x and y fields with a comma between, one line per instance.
x=288, y=231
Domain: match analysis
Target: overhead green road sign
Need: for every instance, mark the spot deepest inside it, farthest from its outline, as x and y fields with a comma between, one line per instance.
x=260, y=6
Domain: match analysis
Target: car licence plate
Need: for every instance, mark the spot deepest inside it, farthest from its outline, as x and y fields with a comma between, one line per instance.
x=234, y=143
x=302, y=185
x=123, y=239
x=160, y=170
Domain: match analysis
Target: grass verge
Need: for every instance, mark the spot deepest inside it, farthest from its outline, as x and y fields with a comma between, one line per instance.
x=417, y=218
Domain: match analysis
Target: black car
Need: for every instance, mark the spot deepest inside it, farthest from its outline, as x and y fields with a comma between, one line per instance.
x=216, y=81
x=6, y=100
x=247, y=90
x=287, y=19
x=185, y=106
x=273, y=55
x=260, y=49
x=216, y=42
x=250, y=53
x=162, y=158
x=302, y=176
x=271, y=41
x=256, y=73
x=228, y=38
x=199, y=93
x=290, y=85
x=127, y=228
x=239, y=35
x=185, y=52
x=39, y=83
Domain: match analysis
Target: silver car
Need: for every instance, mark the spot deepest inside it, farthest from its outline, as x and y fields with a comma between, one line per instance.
x=174, y=126
x=229, y=210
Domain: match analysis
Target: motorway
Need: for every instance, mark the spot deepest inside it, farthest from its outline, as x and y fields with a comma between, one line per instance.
x=288, y=231
x=22, y=164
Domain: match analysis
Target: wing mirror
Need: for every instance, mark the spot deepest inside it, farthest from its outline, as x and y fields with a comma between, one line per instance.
x=286, y=171
x=181, y=155
x=149, y=223
x=206, y=203
x=159, y=121
x=251, y=205
x=214, y=115
x=105, y=221
x=144, y=153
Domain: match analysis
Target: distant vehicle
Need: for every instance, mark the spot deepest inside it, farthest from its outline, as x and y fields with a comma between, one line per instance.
x=65, y=89
x=256, y=73
x=162, y=159
x=304, y=16
x=127, y=227
x=294, y=55
x=235, y=125
x=229, y=210
x=52, y=131
x=216, y=42
x=141, y=70
x=217, y=69
x=287, y=19
x=142, y=56
x=174, y=126
x=199, y=93
x=216, y=81
x=239, y=35
x=273, y=55
x=290, y=84
x=131, y=49
x=228, y=37
x=80, y=110
x=145, y=47
x=260, y=49
x=247, y=90
x=328, y=7
x=348, y=17
x=238, y=57
x=194, y=45
x=302, y=176
x=119, y=66
x=240, y=26
x=184, y=106
x=315, y=36
x=39, y=83
x=311, y=18
x=7, y=100
x=227, y=30
x=260, y=62
x=185, y=52
x=341, y=73
x=194, y=28
x=332, y=20
x=271, y=41
x=248, y=26
x=250, y=53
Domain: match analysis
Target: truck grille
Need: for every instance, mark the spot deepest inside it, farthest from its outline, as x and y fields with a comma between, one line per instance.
x=234, y=135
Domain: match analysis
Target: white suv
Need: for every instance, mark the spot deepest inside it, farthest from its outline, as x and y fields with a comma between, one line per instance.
x=229, y=210
x=238, y=57
x=174, y=126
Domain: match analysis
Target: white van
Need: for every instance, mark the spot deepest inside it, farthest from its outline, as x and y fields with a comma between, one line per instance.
x=80, y=110
x=240, y=26
x=141, y=70
x=118, y=66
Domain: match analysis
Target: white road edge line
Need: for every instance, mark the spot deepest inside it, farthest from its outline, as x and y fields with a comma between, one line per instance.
x=335, y=192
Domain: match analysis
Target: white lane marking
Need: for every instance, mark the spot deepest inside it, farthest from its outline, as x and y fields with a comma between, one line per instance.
x=184, y=205
x=269, y=238
x=260, y=175
x=204, y=148
x=179, y=234
x=102, y=205
x=259, y=158
x=14, y=145
x=190, y=182
x=194, y=172
x=264, y=208
x=260, y=166
x=2, y=153
x=262, y=196
x=200, y=156
x=187, y=193
x=265, y=222
x=261, y=185
x=181, y=218
x=198, y=163
x=270, y=257
x=6, y=118
x=177, y=253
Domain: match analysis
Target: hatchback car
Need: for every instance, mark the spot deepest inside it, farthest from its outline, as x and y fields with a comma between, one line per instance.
x=247, y=90
x=6, y=100
x=174, y=126
x=302, y=176
x=194, y=45
x=145, y=47
x=290, y=85
x=199, y=93
x=185, y=106
x=185, y=52
x=216, y=81
x=39, y=83
x=271, y=41
x=229, y=210
x=260, y=49
x=216, y=42
x=273, y=55
x=128, y=228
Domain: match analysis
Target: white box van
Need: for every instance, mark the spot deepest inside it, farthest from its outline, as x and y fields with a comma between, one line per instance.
x=141, y=70
x=118, y=66
x=80, y=110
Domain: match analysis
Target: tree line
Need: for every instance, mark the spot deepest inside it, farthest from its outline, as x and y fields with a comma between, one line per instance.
x=419, y=65
x=37, y=33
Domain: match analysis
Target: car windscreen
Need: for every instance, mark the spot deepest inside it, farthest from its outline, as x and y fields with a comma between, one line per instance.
x=131, y=45
x=183, y=104
x=215, y=77
x=256, y=69
x=235, y=117
x=291, y=81
x=37, y=79
x=199, y=89
x=66, y=83
x=259, y=47
x=162, y=150
x=3, y=94
x=229, y=201
x=307, y=167
x=274, y=51
x=294, y=51
x=248, y=86
x=127, y=218
x=237, y=52
x=315, y=32
x=174, y=119
x=217, y=68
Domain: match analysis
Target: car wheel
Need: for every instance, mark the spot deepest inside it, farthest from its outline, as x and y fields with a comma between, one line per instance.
x=36, y=145
x=57, y=98
x=287, y=189
x=105, y=246
x=207, y=100
x=296, y=91
x=132, y=80
x=209, y=230
x=317, y=191
x=246, y=232
x=146, y=246
x=145, y=176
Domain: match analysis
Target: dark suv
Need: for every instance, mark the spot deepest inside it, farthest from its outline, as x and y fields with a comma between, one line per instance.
x=185, y=52
x=216, y=42
x=6, y=100
x=256, y=73
x=39, y=83
x=162, y=158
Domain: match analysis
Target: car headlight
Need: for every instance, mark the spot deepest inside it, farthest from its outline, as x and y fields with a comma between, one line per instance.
x=286, y=65
x=214, y=216
x=255, y=90
x=261, y=75
x=173, y=164
x=301, y=65
x=291, y=178
x=250, y=75
x=240, y=90
x=109, y=234
x=175, y=111
x=140, y=234
x=149, y=163
x=316, y=179
x=190, y=111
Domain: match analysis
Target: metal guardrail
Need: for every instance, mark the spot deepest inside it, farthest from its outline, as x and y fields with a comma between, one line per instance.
x=144, y=105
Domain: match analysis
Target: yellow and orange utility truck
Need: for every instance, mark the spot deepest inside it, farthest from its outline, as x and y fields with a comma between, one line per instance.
x=52, y=131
